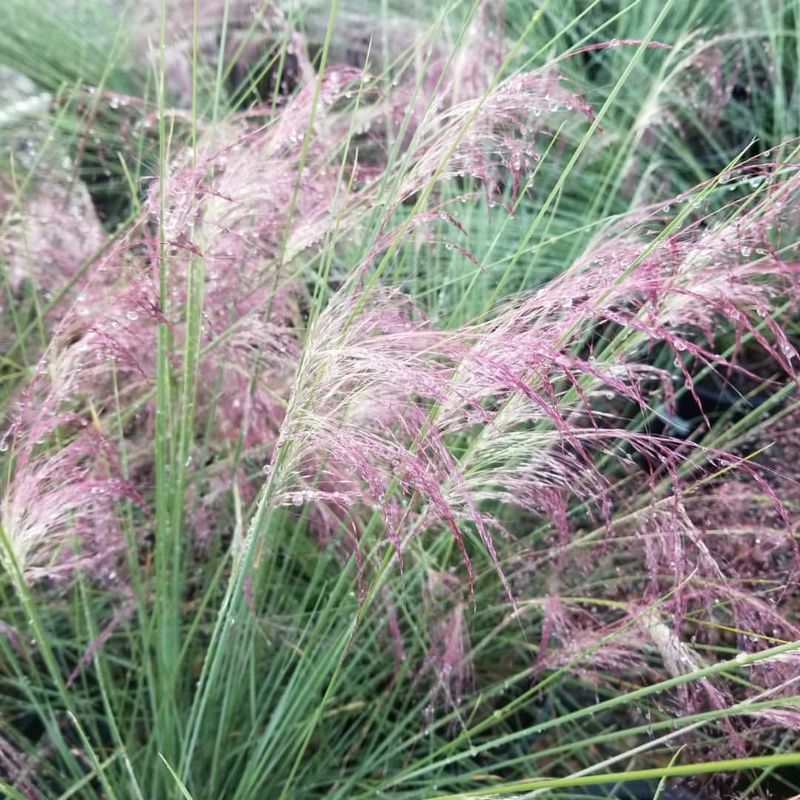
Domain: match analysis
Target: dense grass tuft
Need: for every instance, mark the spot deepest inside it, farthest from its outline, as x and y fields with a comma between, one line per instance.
x=398, y=401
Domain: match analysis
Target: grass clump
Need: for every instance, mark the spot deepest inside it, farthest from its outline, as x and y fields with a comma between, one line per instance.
x=398, y=401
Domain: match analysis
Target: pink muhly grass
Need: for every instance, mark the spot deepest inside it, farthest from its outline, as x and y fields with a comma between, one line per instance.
x=352, y=405
x=227, y=208
x=60, y=505
x=490, y=136
x=35, y=243
x=373, y=414
x=447, y=664
x=251, y=198
x=59, y=510
x=382, y=402
x=17, y=766
x=243, y=206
